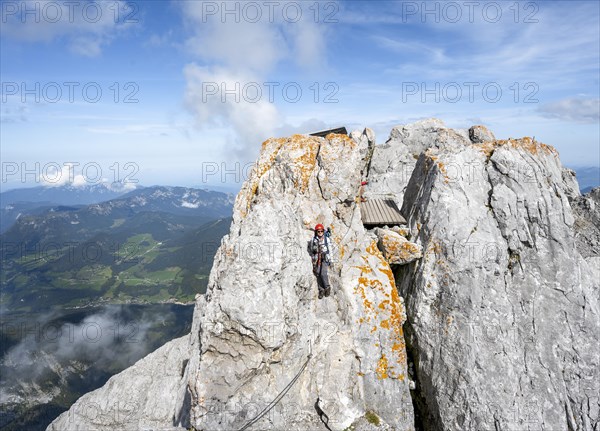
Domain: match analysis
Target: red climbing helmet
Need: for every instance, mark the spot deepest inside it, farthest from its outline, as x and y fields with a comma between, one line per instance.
x=319, y=227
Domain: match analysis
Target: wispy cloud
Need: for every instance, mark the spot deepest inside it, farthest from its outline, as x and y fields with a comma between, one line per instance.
x=88, y=27
x=504, y=50
x=410, y=47
x=573, y=109
x=102, y=340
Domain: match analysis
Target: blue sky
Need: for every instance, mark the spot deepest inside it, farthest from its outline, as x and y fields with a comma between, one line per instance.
x=185, y=91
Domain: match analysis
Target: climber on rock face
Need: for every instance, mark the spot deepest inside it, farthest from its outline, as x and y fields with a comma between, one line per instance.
x=319, y=249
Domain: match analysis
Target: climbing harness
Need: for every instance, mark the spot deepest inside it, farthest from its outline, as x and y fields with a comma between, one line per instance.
x=281, y=394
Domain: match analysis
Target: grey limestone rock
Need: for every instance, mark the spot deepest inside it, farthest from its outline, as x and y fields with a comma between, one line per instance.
x=392, y=163
x=396, y=249
x=480, y=134
x=261, y=318
x=503, y=313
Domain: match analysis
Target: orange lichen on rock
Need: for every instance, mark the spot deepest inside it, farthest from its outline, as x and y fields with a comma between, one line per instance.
x=340, y=137
x=396, y=318
x=442, y=169
x=373, y=250
x=387, y=314
x=408, y=248
x=532, y=146
x=528, y=144
x=390, y=243
x=449, y=320
x=299, y=152
x=363, y=283
x=382, y=367
x=435, y=247
x=270, y=149
x=341, y=247
x=432, y=159
x=334, y=148
x=486, y=148
x=390, y=275
x=364, y=269
x=398, y=249
x=303, y=158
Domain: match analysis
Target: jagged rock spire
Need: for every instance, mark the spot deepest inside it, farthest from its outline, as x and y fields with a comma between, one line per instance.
x=261, y=316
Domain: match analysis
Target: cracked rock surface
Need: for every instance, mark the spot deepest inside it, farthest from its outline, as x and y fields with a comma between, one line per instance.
x=392, y=163
x=261, y=317
x=502, y=309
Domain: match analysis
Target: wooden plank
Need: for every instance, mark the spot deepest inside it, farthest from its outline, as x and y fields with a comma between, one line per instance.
x=374, y=216
x=370, y=214
x=383, y=215
x=366, y=214
x=391, y=210
x=378, y=210
x=388, y=215
x=375, y=212
x=381, y=212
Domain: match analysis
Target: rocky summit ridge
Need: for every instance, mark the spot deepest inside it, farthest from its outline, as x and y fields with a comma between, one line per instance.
x=480, y=313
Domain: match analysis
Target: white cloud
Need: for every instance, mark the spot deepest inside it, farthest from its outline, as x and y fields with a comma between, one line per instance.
x=573, y=109
x=186, y=204
x=58, y=176
x=207, y=99
x=79, y=181
x=54, y=175
x=309, y=45
x=86, y=26
x=10, y=115
x=241, y=43
x=241, y=53
x=34, y=359
x=156, y=40
x=435, y=54
x=244, y=46
x=87, y=46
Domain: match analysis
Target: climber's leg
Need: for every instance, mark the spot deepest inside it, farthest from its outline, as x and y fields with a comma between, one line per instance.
x=325, y=280
x=320, y=281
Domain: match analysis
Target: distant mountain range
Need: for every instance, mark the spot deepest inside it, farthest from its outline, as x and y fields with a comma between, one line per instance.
x=588, y=177
x=176, y=200
x=67, y=194
x=35, y=200
x=153, y=244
